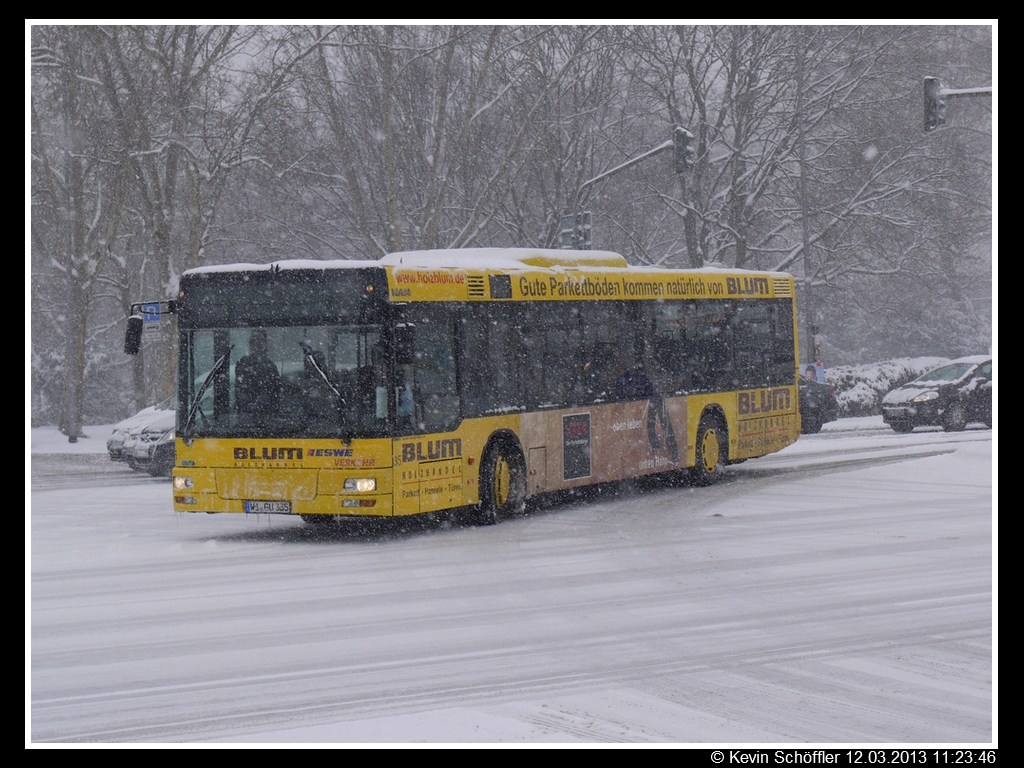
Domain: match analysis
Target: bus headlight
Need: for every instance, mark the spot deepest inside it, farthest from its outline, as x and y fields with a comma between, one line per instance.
x=182, y=482
x=360, y=484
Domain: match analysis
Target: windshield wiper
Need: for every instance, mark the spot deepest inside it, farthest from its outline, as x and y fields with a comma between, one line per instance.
x=308, y=350
x=185, y=430
x=323, y=375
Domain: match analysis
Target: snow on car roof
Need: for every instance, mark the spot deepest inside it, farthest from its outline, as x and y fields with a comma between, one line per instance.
x=160, y=421
x=975, y=359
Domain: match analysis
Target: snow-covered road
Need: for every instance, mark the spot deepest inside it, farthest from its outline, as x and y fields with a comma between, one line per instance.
x=838, y=592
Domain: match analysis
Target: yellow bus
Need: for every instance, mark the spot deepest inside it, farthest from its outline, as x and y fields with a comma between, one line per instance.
x=470, y=380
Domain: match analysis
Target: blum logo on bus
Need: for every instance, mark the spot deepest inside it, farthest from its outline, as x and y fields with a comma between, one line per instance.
x=436, y=449
x=267, y=454
x=763, y=401
x=747, y=286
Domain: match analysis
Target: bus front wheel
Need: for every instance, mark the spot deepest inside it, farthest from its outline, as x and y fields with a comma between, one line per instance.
x=502, y=482
x=712, y=440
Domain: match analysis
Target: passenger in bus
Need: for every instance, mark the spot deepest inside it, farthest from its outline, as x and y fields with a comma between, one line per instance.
x=633, y=384
x=257, y=381
x=630, y=383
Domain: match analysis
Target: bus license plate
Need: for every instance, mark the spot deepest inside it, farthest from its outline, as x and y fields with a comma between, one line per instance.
x=268, y=507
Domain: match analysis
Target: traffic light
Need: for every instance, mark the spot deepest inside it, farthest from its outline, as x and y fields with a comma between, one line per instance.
x=685, y=153
x=934, y=105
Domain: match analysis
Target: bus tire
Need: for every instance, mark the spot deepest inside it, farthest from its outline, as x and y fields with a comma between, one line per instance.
x=502, y=481
x=711, y=450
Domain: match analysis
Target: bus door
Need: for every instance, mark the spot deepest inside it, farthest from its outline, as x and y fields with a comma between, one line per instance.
x=428, y=458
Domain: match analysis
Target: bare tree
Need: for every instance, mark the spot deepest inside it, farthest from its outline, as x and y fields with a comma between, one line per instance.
x=868, y=188
x=77, y=197
x=429, y=127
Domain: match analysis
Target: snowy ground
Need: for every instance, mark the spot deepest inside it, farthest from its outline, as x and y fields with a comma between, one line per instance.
x=840, y=591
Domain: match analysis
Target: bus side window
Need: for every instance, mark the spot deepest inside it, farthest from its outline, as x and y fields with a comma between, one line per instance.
x=436, y=401
x=751, y=337
x=668, y=349
x=492, y=357
x=711, y=358
x=553, y=354
x=600, y=324
x=782, y=342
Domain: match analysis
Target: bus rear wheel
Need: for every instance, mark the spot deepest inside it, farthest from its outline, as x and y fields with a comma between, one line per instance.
x=502, y=482
x=712, y=440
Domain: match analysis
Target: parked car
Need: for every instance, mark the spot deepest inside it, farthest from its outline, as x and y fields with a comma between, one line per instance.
x=818, y=405
x=950, y=396
x=153, y=445
x=122, y=430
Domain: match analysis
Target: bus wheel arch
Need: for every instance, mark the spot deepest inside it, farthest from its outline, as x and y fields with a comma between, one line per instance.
x=502, y=479
x=712, y=447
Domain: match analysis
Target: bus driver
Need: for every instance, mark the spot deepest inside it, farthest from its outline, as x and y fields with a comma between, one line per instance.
x=257, y=382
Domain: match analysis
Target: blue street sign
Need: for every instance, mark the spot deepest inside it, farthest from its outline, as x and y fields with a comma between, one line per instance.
x=151, y=313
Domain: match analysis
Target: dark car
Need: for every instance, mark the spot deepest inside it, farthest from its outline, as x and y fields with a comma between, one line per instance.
x=818, y=405
x=950, y=396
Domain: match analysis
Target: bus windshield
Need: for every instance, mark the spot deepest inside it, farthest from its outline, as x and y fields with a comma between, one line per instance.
x=327, y=380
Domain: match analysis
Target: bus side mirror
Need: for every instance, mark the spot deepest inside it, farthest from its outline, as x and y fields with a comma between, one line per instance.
x=133, y=335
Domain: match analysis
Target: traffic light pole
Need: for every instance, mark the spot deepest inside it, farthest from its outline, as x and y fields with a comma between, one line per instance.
x=681, y=139
x=935, y=100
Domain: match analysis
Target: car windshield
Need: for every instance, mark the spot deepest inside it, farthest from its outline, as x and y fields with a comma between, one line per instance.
x=952, y=372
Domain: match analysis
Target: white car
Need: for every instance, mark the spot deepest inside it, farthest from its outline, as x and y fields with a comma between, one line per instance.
x=117, y=444
x=149, y=445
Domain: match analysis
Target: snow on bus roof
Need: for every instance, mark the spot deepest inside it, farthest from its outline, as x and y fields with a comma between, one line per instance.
x=446, y=258
x=286, y=264
x=532, y=258
x=465, y=258
x=502, y=258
